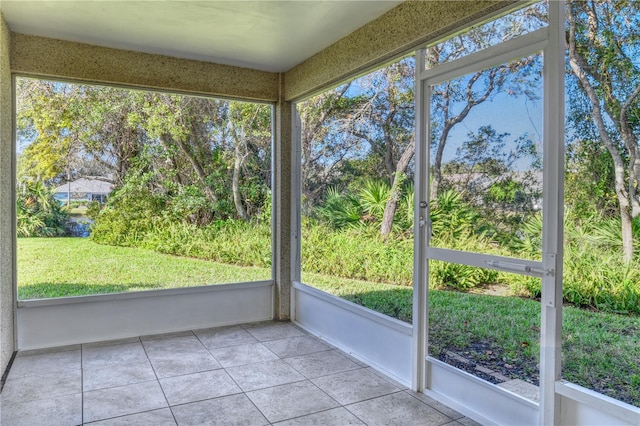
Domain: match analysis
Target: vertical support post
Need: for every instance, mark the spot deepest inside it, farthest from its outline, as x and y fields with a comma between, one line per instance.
x=282, y=206
x=420, y=230
x=553, y=216
x=296, y=204
x=7, y=203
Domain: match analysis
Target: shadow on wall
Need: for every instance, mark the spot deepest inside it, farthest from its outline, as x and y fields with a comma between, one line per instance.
x=50, y=290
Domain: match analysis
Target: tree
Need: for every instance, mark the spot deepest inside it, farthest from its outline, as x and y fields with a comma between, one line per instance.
x=183, y=123
x=387, y=119
x=453, y=100
x=38, y=212
x=75, y=130
x=328, y=140
x=45, y=115
x=208, y=159
x=589, y=180
x=220, y=147
x=249, y=128
x=499, y=176
x=110, y=138
x=388, y=127
x=602, y=38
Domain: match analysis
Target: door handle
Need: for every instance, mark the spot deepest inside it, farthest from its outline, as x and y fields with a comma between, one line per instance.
x=518, y=267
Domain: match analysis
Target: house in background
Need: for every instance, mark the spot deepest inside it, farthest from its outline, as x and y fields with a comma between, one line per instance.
x=84, y=189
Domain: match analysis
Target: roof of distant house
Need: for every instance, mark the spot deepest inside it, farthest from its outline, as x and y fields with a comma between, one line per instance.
x=83, y=185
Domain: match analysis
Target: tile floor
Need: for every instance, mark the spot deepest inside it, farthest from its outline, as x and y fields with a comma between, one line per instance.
x=255, y=374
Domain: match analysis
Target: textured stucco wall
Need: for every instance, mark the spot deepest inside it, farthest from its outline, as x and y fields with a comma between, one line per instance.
x=64, y=59
x=407, y=26
x=283, y=176
x=6, y=201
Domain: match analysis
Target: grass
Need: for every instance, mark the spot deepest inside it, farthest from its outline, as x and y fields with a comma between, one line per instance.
x=80, y=211
x=601, y=351
x=60, y=267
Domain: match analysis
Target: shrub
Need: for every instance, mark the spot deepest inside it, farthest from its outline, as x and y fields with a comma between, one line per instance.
x=594, y=274
x=231, y=241
x=357, y=253
x=38, y=213
x=127, y=218
x=93, y=209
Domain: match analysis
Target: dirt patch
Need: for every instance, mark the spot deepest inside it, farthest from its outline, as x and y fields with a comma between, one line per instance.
x=493, y=290
x=483, y=360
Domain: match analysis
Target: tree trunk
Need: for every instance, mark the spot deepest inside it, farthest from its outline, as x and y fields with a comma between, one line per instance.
x=627, y=228
x=235, y=187
x=579, y=66
x=634, y=152
x=239, y=158
x=392, y=204
x=197, y=167
x=436, y=170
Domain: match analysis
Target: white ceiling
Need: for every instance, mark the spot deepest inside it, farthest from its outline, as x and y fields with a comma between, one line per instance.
x=264, y=34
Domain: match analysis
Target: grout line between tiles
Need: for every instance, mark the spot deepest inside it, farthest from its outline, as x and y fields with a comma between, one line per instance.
x=257, y=408
x=354, y=414
x=81, y=385
x=408, y=392
x=127, y=415
x=158, y=381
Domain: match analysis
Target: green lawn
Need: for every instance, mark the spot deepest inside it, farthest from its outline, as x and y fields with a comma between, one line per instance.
x=600, y=351
x=59, y=267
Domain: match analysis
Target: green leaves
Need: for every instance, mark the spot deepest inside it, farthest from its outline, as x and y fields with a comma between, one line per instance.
x=38, y=213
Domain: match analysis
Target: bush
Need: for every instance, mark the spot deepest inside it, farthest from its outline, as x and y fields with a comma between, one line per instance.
x=357, y=253
x=601, y=280
x=594, y=274
x=38, y=212
x=93, y=209
x=232, y=241
x=127, y=219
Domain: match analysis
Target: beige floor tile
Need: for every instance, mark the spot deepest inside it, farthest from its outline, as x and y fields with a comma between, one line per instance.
x=116, y=374
x=243, y=354
x=222, y=337
x=122, y=400
x=168, y=366
x=161, y=417
x=198, y=386
x=321, y=363
x=102, y=355
x=45, y=363
x=264, y=374
x=43, y=386
x=336, y=416
x=447, y=411
x=198, y=378
x=295, y=346
x=397, y=409
x=63, y=410
x=226, y=411
x=273, y=331
x=354, y=386
x=292, y=400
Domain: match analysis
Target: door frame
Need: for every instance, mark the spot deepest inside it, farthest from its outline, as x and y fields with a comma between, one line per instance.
x=549, y=41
